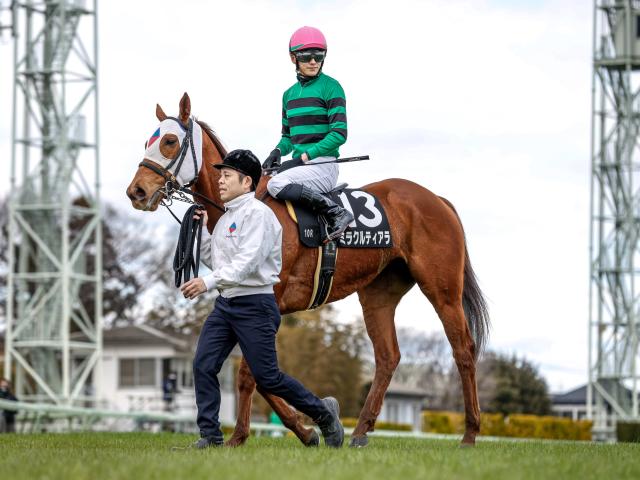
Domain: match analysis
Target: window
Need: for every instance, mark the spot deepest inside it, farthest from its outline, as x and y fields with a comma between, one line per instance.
x=393, y=412
x=138, y=372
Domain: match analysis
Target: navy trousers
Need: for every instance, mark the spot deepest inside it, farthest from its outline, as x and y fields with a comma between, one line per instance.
x=252, y=321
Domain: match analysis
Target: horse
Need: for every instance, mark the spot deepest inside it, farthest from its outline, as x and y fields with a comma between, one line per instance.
x=429, y=250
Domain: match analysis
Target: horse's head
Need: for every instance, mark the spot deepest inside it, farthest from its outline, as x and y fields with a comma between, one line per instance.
x=174, y=153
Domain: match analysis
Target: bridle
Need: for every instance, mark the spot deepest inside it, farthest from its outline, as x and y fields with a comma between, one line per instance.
x=172, y=190
x=190, y=230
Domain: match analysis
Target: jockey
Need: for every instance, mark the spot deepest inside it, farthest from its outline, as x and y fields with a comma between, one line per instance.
x=314, y=125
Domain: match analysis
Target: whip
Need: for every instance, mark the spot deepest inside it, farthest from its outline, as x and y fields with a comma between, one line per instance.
x=299, y=163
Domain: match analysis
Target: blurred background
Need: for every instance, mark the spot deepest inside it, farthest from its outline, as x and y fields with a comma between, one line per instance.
x=487, y=103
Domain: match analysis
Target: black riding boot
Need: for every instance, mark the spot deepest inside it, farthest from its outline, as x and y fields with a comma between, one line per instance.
x=338, y=218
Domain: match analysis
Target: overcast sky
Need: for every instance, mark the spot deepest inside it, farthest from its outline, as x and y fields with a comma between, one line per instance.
x=486, y=103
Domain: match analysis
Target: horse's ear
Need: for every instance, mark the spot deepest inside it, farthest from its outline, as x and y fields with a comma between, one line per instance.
x=185, y=108
x=160, y=113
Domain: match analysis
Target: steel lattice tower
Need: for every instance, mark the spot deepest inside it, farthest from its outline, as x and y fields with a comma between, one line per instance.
x=54, y=305
x=615, y=216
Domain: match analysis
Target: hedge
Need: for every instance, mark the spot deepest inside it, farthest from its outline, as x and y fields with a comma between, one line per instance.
x=350, y=422
x=628, y=431
x=516, y=425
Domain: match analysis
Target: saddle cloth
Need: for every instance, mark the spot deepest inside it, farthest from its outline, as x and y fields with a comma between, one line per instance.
x=370, y=229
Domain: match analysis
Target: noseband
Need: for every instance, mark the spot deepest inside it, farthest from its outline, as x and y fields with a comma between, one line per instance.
x=172, y=189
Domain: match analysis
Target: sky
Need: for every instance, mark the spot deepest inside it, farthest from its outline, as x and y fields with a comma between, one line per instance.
x=487, y=103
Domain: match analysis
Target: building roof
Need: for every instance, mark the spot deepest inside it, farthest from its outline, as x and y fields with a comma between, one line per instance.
x=142, y=335
x=573, y=397
x=145, y=335
x=407, y=391
x=578, y=396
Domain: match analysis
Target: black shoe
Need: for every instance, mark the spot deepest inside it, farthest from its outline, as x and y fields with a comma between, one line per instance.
x=207, y=442
x=201, y=444
x=330, y=425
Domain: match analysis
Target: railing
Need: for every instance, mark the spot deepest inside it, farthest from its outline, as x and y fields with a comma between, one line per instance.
x=86, y=418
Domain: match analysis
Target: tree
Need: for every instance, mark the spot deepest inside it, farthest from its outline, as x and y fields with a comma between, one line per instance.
x=519, y=388
x=324, y=354
x=506, y=384
x=131, y=253
x=425, y=360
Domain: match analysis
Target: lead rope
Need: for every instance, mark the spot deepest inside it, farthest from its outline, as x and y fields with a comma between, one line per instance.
x=190, y=231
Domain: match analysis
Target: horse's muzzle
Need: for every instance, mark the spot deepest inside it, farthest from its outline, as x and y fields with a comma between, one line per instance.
x=136, y=193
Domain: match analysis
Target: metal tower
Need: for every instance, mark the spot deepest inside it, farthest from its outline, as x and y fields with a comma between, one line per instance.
x=53, y=335
x=614, y=322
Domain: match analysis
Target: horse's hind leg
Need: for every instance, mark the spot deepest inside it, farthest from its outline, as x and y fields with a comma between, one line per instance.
x=246, y=387
x=289, y=417
x=455, y=326
x=379, y=300
x=444, y=287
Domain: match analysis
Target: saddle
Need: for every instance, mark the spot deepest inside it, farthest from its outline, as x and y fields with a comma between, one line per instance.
x=370, y=228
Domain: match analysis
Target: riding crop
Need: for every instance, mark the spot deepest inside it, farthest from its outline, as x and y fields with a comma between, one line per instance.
x=297, y=162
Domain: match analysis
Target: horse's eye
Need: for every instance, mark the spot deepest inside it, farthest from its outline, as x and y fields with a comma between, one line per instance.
x=170, y=141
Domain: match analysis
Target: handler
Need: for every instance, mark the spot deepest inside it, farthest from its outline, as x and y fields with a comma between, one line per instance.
x=246, y=258
x=314, y=125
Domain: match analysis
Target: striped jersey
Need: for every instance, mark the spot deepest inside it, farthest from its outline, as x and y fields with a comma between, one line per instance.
x=314, y=118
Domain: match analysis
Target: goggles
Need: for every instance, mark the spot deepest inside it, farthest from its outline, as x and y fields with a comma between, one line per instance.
x=307, y=56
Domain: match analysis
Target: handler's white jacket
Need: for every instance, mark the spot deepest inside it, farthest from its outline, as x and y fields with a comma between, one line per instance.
x=245, y=249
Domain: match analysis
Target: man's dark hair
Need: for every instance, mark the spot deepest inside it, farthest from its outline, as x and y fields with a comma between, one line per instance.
x=242, y=175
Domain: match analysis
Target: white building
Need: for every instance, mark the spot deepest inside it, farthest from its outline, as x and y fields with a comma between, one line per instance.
x=137, y=359
x=403, y=404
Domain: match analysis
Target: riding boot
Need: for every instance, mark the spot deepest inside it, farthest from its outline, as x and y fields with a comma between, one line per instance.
x=337, y=218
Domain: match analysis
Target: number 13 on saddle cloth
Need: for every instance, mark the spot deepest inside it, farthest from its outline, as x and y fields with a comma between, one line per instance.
x=370, y=228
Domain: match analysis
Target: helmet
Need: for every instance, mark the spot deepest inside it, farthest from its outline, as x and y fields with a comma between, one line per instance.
x=307, y=37
x=243, y=161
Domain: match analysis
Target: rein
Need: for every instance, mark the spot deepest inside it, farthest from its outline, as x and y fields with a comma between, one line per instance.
x=183, y=261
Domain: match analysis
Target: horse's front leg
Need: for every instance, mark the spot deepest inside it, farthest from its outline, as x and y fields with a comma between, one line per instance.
x=246, y=386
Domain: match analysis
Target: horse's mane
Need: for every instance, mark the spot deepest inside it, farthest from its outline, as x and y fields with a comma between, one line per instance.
x=214, y=138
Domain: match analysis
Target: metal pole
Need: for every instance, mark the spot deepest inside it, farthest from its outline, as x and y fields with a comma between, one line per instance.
x=98, y=206
x=590, y=317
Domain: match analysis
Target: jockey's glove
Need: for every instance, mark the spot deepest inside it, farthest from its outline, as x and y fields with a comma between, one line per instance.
x=273, y=160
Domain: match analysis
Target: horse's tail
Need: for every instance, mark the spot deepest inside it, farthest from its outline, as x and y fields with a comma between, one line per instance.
x=473, y=302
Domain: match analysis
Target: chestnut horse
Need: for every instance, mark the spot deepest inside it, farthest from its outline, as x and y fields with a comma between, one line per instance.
x=429, y=249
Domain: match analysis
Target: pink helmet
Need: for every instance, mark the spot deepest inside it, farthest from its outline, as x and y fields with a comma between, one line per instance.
x=307, y=37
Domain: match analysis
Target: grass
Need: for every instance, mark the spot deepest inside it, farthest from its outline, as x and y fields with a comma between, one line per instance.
x=140, y=456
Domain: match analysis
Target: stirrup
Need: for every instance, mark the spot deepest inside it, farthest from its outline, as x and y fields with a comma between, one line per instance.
x=335, y=235
x=324, y=225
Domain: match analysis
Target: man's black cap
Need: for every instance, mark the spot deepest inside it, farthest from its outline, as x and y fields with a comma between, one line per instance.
x=243, y=161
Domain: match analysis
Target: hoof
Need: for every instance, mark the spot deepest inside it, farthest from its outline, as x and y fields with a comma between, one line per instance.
x=469, y=440
x=235, y=442
x=359, y=442
x=313, y=440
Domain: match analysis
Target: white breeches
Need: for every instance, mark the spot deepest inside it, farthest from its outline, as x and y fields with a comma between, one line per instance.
x=319, y=178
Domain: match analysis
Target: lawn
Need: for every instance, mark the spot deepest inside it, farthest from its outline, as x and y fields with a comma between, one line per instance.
x=140, y=456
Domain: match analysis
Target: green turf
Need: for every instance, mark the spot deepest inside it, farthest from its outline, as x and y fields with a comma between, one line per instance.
x=139, y=456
